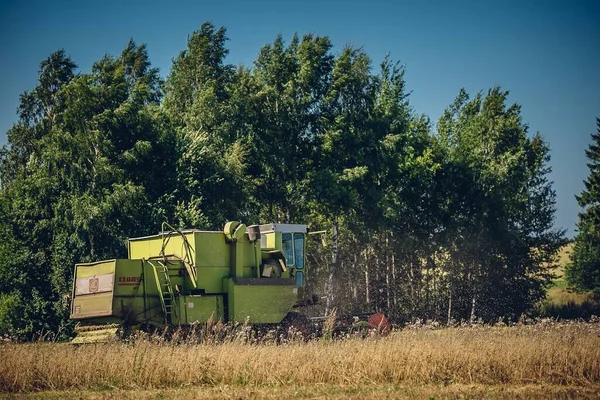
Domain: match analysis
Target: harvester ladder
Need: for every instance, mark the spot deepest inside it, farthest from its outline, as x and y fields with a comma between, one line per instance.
x=165, y=290
x=187, y=257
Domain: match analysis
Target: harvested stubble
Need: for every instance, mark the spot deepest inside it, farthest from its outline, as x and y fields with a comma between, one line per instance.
x=553, y=354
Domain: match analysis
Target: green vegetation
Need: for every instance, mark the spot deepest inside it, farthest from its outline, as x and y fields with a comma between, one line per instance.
x=561, y=301
x=446, y=223
x=583, y=274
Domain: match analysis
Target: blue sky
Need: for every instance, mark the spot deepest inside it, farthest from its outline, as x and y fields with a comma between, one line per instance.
x=546, y=53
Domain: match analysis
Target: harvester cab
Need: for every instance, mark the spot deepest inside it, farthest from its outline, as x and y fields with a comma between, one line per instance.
x=182, y=277
x=289, y=239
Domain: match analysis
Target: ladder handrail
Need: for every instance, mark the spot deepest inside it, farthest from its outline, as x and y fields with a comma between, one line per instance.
x=191, y=270
x=188, y=259
x=171, y=310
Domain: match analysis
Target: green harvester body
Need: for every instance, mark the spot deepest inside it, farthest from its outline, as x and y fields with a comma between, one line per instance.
x=182, y=277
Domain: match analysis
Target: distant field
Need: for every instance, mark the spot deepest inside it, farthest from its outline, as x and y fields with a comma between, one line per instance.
x=563, y=303
x=525, y=361
x=558, y=293
x=563, y=259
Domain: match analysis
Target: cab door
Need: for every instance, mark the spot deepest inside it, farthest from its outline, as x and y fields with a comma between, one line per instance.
x=292, y=247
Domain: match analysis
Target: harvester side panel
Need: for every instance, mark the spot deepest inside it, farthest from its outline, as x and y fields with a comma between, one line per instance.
x=212, y=259
x=264, y=301
x=151, y=246
x=198, y=309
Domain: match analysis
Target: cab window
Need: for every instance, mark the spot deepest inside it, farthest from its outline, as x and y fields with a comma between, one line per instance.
x=299, y=250
x=287, y=248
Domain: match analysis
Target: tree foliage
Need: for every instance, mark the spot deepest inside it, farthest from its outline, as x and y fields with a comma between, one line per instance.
x=75, y=181
x=583, y=273
x=454, y=223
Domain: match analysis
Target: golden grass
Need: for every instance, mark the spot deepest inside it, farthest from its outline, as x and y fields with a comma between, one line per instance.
x=567, y=355
x=356, y=391
x=559, y=296
x=563, y=259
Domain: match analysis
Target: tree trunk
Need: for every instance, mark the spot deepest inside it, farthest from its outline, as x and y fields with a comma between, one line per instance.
x=449, y=304
x=474, y=280
x=355, y=281
x=333, y=267
x=473, y=317
x=387, y=274
x=92, y=252
x=377, y=260
x=367, y=298
x=426, y=283
x=394, y=279
x=367, y=294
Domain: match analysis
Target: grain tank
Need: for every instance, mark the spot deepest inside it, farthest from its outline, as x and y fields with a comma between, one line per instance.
x=181, y=277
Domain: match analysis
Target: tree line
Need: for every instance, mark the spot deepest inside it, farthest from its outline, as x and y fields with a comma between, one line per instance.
x=583, y=271
x=452, y=221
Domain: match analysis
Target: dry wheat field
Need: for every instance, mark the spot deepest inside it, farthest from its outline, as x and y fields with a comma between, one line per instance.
x=541, y=360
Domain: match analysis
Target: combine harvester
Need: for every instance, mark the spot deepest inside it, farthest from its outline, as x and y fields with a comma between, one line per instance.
x=183, y=277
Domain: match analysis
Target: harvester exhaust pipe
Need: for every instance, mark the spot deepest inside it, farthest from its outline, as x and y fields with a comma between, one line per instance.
x=234, y=232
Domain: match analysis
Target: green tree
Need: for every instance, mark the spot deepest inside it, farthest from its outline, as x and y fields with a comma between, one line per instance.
x=342, y=165
x=583, y=273
x=85, y=184
x=453, y=225
x=202, y=99
x=29, y=302
x=502, y=211
x=291, y=84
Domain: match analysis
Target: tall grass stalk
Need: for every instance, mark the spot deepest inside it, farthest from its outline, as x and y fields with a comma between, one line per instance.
x=553, y=354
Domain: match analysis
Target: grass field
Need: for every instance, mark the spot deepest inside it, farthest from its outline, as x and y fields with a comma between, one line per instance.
x=546, y=359
x=542, y=360
x=358, y=391
x=558, y=293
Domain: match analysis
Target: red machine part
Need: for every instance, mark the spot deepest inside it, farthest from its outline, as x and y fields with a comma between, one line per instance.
x=380, y=322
